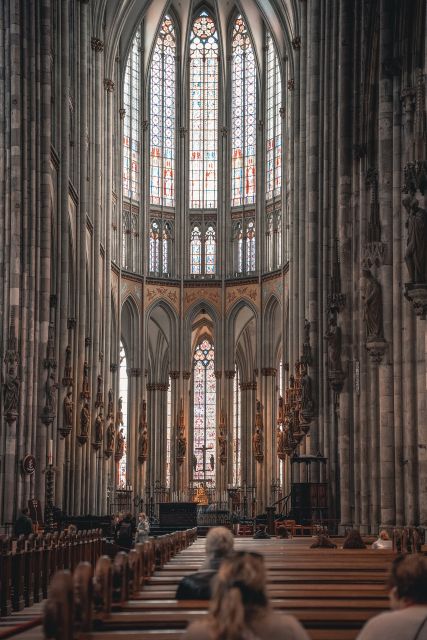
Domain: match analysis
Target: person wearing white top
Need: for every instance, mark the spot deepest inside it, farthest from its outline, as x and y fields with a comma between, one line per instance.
x=383, y=541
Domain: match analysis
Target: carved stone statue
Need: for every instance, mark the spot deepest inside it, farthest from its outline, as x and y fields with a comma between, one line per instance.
x=307, y=403
x=416, y=245
x=372, y=306
x=84, y=423
x=212, y=461
x=85, y=385
x=68, y=370
x=119, y=416
x=110, y=404
x=181, y=445
x=194, y=463
x=99, y=427
x=68, y=406
x=257, y=442
x=333, y=336
x=143, y=443
x=50, y=388
x=99, y=397
x=222, y=443
x=279, y=440
x=111, y=436
x=120, y=445
x=11, y=390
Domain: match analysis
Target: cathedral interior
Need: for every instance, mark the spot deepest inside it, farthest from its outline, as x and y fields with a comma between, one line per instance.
x=213, y=257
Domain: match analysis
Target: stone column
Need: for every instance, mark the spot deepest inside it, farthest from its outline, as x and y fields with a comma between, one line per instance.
x=269, y=412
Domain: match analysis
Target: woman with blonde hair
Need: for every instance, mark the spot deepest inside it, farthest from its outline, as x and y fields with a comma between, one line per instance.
x=239, y=607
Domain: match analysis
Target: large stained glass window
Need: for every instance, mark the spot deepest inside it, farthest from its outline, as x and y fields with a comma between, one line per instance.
x=210, y=250
x=123, y=394
x=243, y=116
x=204, y=418
x=196, y=251
x=203, y=112
x=162, y=117
x=131, y=124
x=237, y=430
x=273, y=123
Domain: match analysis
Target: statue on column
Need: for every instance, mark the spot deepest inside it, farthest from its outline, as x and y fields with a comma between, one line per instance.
x=110, y=411
x=110, y=437
x=143, y=435
x=372, y=306
x=11, y=391
x=85, y=386
x=333, y=336
x=120, y=446
x=67, y=414
x=84, y=424
x=119, y=416
x=50, y=388
x=212, y=462
x=181, y=441
x=416, y=244
x=307, y=402
x=258, y=436
x=99, y=430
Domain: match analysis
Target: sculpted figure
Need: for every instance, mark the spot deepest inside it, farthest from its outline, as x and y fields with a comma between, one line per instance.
x=110, y=436
x=11, y=390
x=84, y=420
x=110, y=404
x=416, y=245
x=333, y=336
x=257, y=442
x=68, y=410
x=194, y=463
x=306, y=392
x=222, y=442
x=99, y=427
x=372, y=305
x=67, y=366
x=85, y=386
x=279, y=440
x=50, y=388
x=181, y=445
x=119, y=417
x=143, y=442
x=120, y=445
x=212, y=462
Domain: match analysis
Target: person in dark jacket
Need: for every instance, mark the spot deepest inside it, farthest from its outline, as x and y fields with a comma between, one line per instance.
x=125, y=531
x=23, y=524
x=261, y=533
x=197, y=586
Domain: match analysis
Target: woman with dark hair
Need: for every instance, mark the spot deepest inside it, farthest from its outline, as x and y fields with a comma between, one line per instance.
x=239, y=607
x=353, y=540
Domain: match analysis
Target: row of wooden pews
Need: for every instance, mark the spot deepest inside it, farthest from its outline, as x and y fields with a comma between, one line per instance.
x=331, y=591
x=28, y=564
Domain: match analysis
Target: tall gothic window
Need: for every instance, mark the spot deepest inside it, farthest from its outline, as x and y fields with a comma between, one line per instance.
x=243, y=116
x=273, y=174
x=131, y=132
x=162, y=117
x=123, y=394
x=250, y=247
x=196, y=251
x=204, y=416
x=154, y=247
x=237, y=430
x=210, y=250
x=168, y=433
x=203, y=113
x=159, y=254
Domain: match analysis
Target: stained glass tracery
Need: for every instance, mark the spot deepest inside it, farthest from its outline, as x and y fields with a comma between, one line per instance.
x=273, y=123
x=131, y=124
x=162, y=117
x=196, y=251
x=204, y=416
x=203, y=112
x=210, y=250
x=243, y=116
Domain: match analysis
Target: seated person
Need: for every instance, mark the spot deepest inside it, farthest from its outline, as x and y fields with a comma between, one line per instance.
x=197, y=586
x=383, y=541
x=23, y=524
x=408, y=601
x=353, y=540
x=322, y=542
x=282, y=532
x=240, y=607
x=261, y=533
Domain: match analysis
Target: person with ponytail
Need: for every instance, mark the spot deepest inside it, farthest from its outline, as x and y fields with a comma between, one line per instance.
x=239, y=608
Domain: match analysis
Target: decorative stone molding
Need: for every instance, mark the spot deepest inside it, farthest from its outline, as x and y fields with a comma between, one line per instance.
x=122, y=113
x=157, y=386
x=12, y=383
x=268, y=371
x=291, y=84
x=68, y=380
x=97, y=45
x=416, y=293
x=376, y=350
x=373, y=254
x=108, y=85
x=296, y=43
x=248, y=386
x=415, y=177
x=88, y=341
x=71, y=324
x=407, y=98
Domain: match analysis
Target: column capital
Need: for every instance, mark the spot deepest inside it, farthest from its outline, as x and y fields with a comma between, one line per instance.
x=134, y=372
x=268, y=371
x=174, y=375
x=218, y=375
x=296, y=43
x=291, y=84
x=230, y=374
x=186, y=375
x=122, y=113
